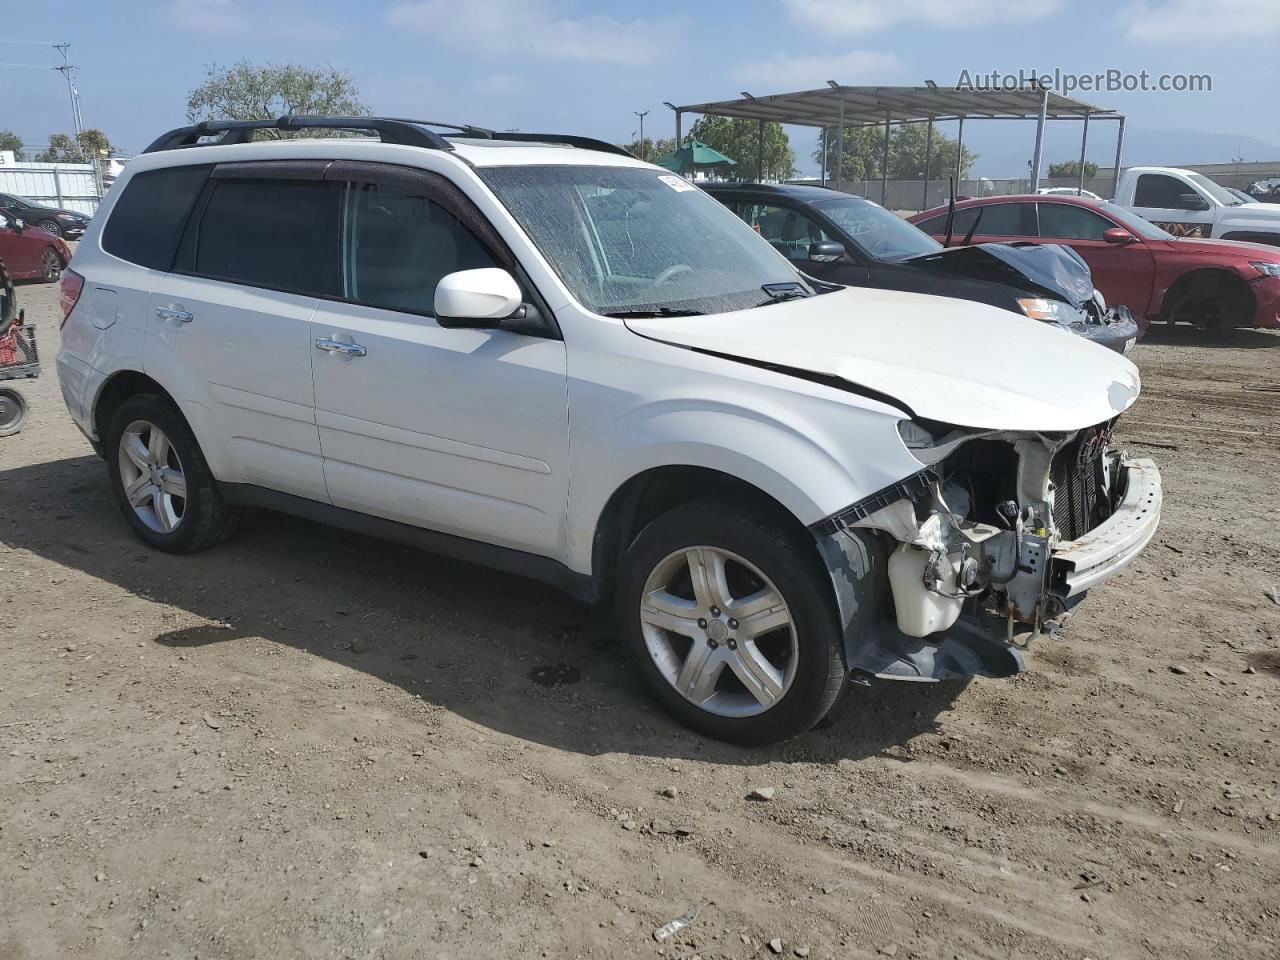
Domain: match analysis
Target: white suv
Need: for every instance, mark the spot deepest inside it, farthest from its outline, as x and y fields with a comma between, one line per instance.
x=539, y=353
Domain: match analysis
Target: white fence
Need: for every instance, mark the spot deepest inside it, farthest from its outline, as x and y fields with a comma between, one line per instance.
x=73, y=186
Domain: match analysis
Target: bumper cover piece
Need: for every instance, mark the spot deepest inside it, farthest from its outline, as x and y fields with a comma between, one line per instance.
x=1105, y=550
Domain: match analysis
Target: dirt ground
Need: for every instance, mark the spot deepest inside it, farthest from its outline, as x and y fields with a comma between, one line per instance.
x=309, y=744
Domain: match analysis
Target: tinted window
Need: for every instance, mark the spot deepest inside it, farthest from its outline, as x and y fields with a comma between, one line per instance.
x=147, y=221
x=997, y=219
x=883, y=235
x=1062, y=221
x=789, y=231
x=279, y=234
x=398, y=244
x=1159, y=190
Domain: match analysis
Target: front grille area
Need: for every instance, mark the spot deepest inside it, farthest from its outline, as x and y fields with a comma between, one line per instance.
x=1079, y=500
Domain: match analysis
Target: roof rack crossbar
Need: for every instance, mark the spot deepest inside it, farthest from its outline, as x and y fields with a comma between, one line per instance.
x=406, y=133
x=568, y=139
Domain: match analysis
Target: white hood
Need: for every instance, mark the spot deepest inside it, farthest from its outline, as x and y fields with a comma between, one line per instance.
x=955, y=361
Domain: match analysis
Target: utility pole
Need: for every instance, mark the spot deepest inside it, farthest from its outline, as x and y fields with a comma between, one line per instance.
x=643, y=148
x=67, y=69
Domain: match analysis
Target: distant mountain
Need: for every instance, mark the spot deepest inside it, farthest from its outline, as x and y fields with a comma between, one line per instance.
x=1004, y=147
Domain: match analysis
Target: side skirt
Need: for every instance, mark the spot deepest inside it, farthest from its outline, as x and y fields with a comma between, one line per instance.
x=580, y=586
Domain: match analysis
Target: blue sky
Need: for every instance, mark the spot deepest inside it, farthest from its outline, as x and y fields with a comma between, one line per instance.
x=583, y=67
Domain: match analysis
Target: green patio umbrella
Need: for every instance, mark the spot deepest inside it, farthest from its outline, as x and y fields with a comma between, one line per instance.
x=695, y=155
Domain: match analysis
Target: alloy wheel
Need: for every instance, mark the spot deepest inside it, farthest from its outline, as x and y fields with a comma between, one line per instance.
x=719, y=631
x=50, y=266
x=152, y=477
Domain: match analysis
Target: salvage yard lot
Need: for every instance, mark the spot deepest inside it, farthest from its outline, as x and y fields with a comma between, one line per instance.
x=309, y=744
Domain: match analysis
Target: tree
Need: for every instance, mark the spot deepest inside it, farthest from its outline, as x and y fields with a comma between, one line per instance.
x=248, y=92
x=87, y=145
x=739, y=140
x=1071, y=168
x=650, y=149
x=864, y=153
x=11, y=141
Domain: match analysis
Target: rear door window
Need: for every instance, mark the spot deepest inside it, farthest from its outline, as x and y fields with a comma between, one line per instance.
x=278, y=234
x=997, y=220
x=1063, y=221
x=146, y=223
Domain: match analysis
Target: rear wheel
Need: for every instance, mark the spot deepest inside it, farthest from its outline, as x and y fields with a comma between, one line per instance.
x=50, y=266
x=13, y=411
x=161, y=480
x=726, y=615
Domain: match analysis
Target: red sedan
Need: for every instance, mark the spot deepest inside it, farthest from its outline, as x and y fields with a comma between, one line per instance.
x=1210, y=283
x=29, y=253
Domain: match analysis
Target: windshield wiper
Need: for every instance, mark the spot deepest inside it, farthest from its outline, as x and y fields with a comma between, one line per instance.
x=658, y=312
x=778, y=292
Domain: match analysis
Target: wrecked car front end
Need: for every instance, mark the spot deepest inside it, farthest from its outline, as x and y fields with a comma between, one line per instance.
x=990, y=545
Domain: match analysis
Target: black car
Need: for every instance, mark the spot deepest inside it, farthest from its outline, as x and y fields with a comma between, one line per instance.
x=66, y=224
x=848, y=240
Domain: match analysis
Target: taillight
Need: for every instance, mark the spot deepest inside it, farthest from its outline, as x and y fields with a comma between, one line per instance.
x=71, y=285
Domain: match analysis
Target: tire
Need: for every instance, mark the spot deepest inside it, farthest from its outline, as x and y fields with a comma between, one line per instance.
x=51, y=266
x=175, y=505
x=682, y=636
x=13, y=411
x=1210, y=303
x=50, y=226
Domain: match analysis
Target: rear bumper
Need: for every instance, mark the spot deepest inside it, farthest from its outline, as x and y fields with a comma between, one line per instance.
x=1108, y=548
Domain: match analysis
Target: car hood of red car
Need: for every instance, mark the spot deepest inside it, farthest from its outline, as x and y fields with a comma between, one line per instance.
x=1235, y=249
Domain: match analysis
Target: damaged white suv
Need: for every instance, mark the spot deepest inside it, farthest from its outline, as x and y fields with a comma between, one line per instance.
x=539, y=353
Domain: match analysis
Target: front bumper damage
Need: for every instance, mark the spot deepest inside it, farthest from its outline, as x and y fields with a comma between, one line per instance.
x=927, y=593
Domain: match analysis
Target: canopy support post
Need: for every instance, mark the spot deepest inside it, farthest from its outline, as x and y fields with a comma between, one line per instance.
x=884, y=164
x=1084, y=140
x=1115, y=174
x=840, y=148
x=928, y=159
x=760, y=151
x=1038, y=157
x=959, y=155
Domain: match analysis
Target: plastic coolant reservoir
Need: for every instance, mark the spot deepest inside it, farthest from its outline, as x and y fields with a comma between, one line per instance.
x=920, y=610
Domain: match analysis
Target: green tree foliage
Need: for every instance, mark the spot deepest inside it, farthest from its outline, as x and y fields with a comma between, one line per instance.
x=1071, y=168
x=91, y=144
x=247, y=91
x=739, y=140
x=650, y=149
x=864, y=153
x=11, y=141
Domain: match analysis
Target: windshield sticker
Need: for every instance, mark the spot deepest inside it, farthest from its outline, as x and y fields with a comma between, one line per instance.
x=678, y=184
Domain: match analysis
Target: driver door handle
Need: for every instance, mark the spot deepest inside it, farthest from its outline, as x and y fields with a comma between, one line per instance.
x=337, y=346
x=169, y=313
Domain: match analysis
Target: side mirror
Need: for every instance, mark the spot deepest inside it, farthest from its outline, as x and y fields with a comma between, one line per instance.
x=1192, y=201
x=477, y=298
x=1118, y=235
x=825, y=251
x=18, y=224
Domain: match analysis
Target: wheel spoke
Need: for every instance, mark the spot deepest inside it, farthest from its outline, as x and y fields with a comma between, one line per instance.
x=140, y=490
x=158, y=447
x=706, y=570
x=759, y=613
x=166, y=516
x=762, y=679
x=137, y=451
x=173, y=483
x=669, y=612
x=701, y=670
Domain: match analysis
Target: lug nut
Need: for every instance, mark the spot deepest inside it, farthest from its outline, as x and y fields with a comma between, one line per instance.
x=733, y=644
x=702, y=623
x=712, y=644
x=733, y=624
x=715, y=611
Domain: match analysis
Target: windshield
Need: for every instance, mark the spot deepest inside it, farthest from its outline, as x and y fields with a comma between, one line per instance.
x=1136, y=225
x=628, y=239
x=882, y=234
x=1218, y=193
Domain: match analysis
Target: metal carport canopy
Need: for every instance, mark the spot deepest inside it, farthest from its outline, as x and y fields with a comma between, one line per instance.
x=841, y=106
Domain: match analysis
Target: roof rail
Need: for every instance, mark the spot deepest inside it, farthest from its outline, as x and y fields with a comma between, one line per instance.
x=389, y=129
x=408, y=133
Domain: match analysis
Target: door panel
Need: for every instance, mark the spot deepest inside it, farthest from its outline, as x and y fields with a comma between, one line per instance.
x=461, y=431
x=1125, y=273
x=246, y=355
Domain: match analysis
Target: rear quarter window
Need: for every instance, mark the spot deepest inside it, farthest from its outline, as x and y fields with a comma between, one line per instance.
x=147, y=221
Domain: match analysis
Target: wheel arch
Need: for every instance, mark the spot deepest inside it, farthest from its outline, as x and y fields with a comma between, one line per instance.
x=1209, y=275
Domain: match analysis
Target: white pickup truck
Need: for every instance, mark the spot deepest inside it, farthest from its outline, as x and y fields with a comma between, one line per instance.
x=1189, y=204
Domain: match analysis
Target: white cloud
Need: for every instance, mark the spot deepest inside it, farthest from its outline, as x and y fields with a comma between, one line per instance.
x=806, y=73
x=207, y=16
x=1197, y=21
x=533, y=28
x=867, y=16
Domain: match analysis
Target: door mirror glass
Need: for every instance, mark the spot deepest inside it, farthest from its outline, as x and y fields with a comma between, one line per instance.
x=824, y=251
x=1192, y=201
x=1118, y=235
x=477, y=298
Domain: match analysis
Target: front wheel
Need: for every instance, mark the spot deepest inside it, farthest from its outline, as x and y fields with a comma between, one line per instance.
x=728, y=616
x=160, y=478
x=50, y=266
x=13, y=411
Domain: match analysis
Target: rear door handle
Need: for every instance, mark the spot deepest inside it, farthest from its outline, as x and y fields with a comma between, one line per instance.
x=169, y=313
x=337, y=346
